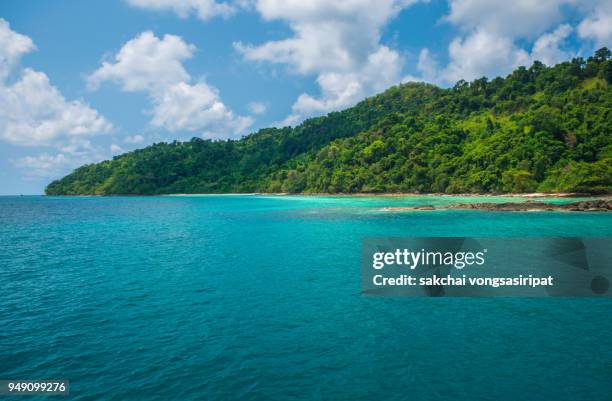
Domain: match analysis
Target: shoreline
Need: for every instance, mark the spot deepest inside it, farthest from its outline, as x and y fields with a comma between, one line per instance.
x=530, y=195
x=392, y=194
x=525, y=202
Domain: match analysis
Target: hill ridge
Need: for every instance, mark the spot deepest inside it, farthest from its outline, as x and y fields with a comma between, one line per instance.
x=541, y=128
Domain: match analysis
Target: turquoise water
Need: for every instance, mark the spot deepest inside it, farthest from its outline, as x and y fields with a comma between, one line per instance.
x=258, y=298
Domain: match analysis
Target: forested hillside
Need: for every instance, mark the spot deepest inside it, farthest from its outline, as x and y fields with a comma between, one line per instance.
x=539, y=129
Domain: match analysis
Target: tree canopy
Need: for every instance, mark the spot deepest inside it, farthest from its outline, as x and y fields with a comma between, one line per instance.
x=539, y=129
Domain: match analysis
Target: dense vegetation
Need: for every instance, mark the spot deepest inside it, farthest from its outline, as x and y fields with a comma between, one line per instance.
x=539, y=129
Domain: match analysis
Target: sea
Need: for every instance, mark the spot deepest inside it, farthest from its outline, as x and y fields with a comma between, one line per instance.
x=253, y=297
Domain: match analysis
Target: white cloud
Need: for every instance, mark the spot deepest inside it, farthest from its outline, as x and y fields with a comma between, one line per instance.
x=195, y=107
x=32, y=111
x=517, y=18
x=147, y=63
x=12, y=46
x=116, y=149
x=44, y=166
x=257, y=107
x=427, y=65
x=381, y=70
x=337, y=90
x=203, y=9
x=482, y=54
x=50, y=166
x=488, y=45
x=548, y=47
x=597, y=26
x=340, y=89
x=339, y=42
x=79, y=146
x=134, y=139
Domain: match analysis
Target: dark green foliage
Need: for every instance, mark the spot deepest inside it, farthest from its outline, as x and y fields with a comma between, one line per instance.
x=541, y=128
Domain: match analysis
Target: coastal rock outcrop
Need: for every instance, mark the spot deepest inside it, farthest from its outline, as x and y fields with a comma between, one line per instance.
x=597, y=205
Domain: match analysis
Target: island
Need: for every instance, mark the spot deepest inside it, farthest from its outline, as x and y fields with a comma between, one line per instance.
x=545, y=129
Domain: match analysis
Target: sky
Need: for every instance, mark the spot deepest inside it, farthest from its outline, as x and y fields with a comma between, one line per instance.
x=81, y=82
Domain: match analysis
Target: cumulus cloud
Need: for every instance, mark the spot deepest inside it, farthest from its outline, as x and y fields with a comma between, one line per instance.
x=44, y=166
x=257, y=107
x=518, y=18
x=482, y=54
x=153, y=65
x=196, y=107
x=549, y=47
x=134, y=139
x=338, y=90
x=76, y=152
x=146, y=63
x=12, y=46
x=116, y=149
x=32, y=111
x=202, y=9
x=597, y=26
x=339, y=42
x=489, y=33
x=427, y=65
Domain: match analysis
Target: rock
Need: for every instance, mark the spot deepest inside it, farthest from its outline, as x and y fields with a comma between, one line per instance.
x=409, y=208
x=597, y=205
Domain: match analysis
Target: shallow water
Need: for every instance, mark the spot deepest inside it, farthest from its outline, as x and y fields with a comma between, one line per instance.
x=258, y=298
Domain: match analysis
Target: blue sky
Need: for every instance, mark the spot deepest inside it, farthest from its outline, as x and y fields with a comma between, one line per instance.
x=83, y=81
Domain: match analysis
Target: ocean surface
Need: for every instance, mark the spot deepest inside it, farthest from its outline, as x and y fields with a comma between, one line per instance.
x=258, y=298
